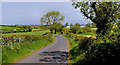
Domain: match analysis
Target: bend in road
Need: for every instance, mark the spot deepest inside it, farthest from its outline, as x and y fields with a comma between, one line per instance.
x=55, y=53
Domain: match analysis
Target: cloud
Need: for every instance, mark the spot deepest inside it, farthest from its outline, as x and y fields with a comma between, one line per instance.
x=31, y=12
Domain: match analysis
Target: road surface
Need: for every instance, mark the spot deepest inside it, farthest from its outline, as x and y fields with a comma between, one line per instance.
x=55, y=53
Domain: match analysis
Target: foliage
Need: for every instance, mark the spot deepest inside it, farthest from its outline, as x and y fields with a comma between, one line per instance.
x=77, y=24
x=52, y=17
x=19, y=45
x=66, y=24
x=93, y=25
x=74, y=29
x=89, y=51
x=104, y=51
x=58, y=27
x=81, y=31
x=87, y=29
x=84, y=30
x=71, y=25
x=88, y=25
x=103, y=14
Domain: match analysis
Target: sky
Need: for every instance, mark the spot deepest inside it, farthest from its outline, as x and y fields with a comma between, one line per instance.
x=29, y=13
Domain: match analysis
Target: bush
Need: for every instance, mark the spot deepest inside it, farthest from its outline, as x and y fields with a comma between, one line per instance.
x=74, y=29
x=79, y=38
x=30, y=30
x=87, y=29
x=80, y=31
x=104, y=53
x=48, y=36
x=85, y=43
x=16, y=46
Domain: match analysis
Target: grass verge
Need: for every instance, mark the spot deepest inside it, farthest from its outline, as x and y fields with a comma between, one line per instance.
x=9, y=56
x=74, y=58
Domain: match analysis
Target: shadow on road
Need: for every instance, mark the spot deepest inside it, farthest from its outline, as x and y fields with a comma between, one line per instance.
x=54, y=57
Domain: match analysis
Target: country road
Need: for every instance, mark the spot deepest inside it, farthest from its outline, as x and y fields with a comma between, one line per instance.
x=55, y=53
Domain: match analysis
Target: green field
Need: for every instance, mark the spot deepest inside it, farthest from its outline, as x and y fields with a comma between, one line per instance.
x=36, y=29
x=87, y=34
x=28, y=33
x=93, y=28
x=9, y=28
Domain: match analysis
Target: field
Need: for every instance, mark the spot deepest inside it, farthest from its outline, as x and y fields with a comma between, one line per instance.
x=87, y=34
x=28, y=33
x=9, y=28
x=20, y=44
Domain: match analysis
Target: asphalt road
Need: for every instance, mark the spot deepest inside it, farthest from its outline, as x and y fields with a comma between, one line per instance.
x=55, y=53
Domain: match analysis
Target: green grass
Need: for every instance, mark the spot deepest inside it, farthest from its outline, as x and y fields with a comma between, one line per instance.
x=8, y=28
x=36, y=29
x=93, y=28
x=87, y=34
x=9, y=56
x=28, y=33
x=73, y=46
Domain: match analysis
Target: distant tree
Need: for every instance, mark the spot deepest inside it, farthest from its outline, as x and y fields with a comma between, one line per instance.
x=71, y=25
x=51, y=18
x=88, y=25
x=103, y=14
x=57, y=27
x=60, y=27
x=87, y=29
x=77, y=24
x=66, y=24
x=74, y=29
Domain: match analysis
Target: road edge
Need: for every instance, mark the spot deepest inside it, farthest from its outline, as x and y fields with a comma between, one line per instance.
x=68, y=50
x=20, y=58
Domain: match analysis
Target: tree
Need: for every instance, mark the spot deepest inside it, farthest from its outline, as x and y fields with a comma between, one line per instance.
x=57, y=27
x=52, y=18
x=88, y=25
x=66, y=24
x=77, y=24
x=71, y=25
x=103, y=14
x=93, y=25
x=74, y=29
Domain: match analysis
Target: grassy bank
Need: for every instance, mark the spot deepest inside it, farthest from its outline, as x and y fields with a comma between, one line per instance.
x=91, y=51
x=73, y=46
x=21, y=49
x=75, y=40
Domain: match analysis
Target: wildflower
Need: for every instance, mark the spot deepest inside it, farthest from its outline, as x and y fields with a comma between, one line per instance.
x=14, y=40
x=94, y=40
